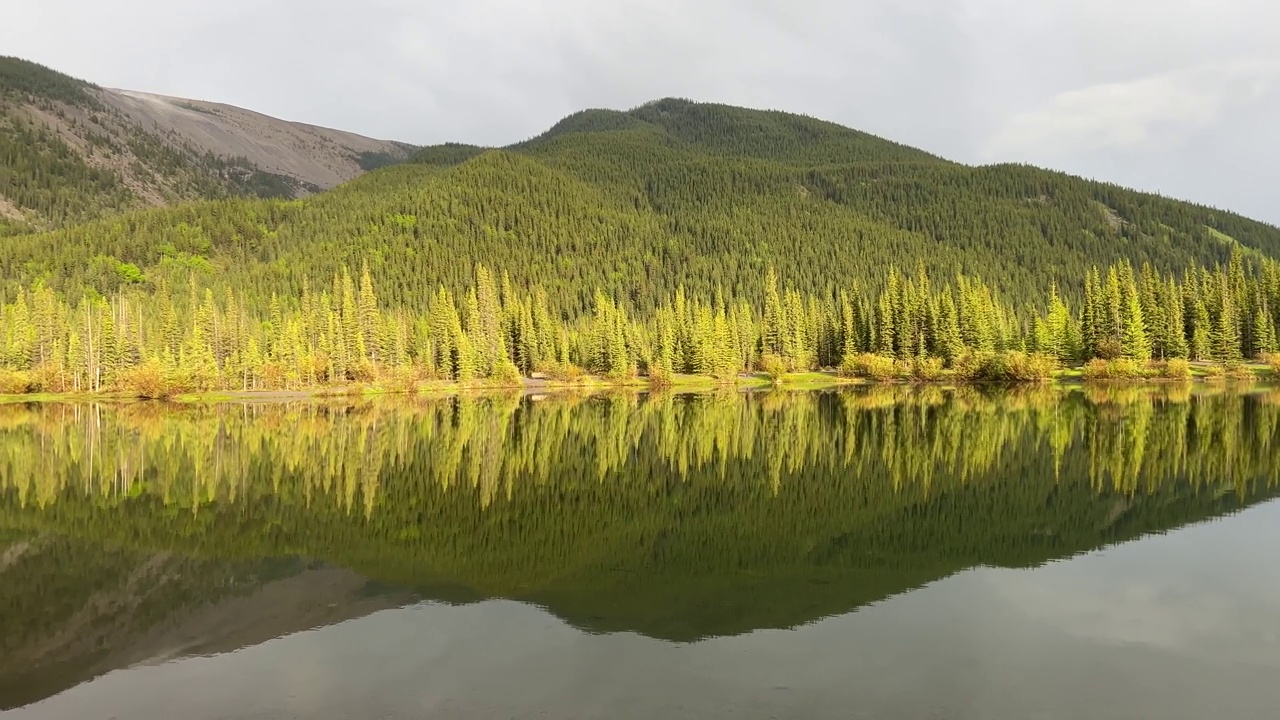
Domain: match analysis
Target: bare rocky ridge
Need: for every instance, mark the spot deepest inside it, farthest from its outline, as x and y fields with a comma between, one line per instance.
x=317, y=156
x=71, y=151
x=117, y=626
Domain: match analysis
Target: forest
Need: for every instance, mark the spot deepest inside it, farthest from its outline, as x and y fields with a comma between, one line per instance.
x=338, y=332
x=675, y=239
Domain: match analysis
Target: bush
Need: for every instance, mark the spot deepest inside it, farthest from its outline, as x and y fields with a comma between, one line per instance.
x=51, y=379
x=147, y=380
x=1117, y=369
x=773, y=366
x=401, y=380
x=927, y=369
x=1005, y=367
x=1273, y=362
x=1233, y=370
x=660, y=378
x=1171, y=369
x=506, y=374
x=14, y=382
x=866, y=365
x=563, y=372
x=363, y=371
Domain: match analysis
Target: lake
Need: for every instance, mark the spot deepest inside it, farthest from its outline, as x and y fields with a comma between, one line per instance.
x=883, y=552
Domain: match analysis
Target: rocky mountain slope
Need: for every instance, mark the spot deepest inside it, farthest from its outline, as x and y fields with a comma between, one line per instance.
x=71, y=151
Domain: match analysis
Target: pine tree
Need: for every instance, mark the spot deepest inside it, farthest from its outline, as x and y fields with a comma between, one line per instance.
x=1175, y=322
x=446, y=334
x=485, y=316
x=1264, y=331
x=369, y=318
x=950, y=344
x=1058, y=322
x=1225, y=338
x=774, y=323
x=1135, y=343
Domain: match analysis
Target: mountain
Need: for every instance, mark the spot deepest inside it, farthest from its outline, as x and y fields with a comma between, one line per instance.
x=671, y=193
x=76, y=611
x=72, y=151
x=614, y=242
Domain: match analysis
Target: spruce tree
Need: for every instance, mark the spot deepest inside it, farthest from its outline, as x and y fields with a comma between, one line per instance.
x=1264, y=331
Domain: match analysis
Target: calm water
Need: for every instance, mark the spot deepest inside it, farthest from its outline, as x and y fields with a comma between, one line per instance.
x=886, y=553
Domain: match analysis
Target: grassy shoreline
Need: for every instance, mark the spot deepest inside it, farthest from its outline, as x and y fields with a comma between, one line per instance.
x=746, y=382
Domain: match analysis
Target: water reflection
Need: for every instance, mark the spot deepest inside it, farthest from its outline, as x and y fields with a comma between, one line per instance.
x=131, y=533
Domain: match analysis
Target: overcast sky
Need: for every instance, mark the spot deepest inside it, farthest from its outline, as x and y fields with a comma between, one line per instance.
x=1175, y=96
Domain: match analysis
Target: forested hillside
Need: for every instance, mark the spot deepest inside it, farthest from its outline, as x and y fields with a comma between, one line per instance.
x=71, y=151
x=679, y=236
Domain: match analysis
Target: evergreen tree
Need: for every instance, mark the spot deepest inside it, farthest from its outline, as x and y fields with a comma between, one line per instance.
x=1134, y=341
x=1264, y=331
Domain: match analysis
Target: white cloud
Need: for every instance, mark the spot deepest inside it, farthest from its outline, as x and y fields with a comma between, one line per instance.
x=1154, y=113
x=1141, y=92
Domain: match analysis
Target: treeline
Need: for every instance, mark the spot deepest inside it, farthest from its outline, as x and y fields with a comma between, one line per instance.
x=340, y=332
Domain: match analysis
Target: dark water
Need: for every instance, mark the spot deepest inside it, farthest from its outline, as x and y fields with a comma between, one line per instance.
x=887, y=553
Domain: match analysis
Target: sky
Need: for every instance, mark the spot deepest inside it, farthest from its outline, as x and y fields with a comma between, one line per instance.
x=1180, y=97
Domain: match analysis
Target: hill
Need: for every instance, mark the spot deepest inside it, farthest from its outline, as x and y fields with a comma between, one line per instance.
x=592, y=232
x=674, y=192
x=72, y=151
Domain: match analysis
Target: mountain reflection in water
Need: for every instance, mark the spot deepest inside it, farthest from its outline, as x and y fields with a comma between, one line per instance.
x=137, y=533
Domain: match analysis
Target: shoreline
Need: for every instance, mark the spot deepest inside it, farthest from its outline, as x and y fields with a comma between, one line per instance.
x=681, y=384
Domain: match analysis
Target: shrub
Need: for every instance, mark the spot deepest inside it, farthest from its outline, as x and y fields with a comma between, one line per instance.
x=660, y=377
x=14, y=382
x=1008, y=366
x=1171, y=369
x=363, y=371
x=147, y=380
x=563, y=372
x=48, y=378
x=1117, y=369
x=1024, y=367
x=506, y=374
x=866, y=365
x=927, y=369
x=1273, y=362
x=773, y=366
x=401, y=380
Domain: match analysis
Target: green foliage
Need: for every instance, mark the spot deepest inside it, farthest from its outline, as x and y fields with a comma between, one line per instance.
x=369, y=160
x=209, y=338
x=1273, y=363
x=1114, y=369
x=506, y=374
x=15, y=382
x=446, y=155
x=1006, y=366
x=1171, y=369
x=927, y=369
x=868, y=365
x=676, y=238
x=774, y=366
x=700, y=196
x=23, y=77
